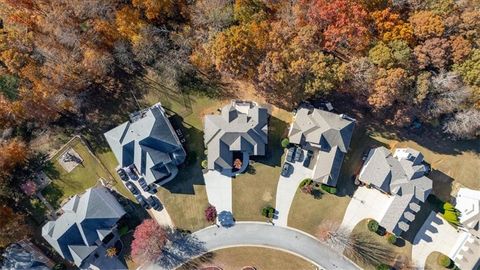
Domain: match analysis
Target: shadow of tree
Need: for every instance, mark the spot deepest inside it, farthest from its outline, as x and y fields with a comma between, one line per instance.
x=53, y=193
x=181, y=249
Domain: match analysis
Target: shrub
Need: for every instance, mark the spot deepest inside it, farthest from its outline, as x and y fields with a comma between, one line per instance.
x=123, y=230
x=392, y=239
x=444, y=261
x=372, y=225
x=204, y=164
x=211, y=213
x=307, y=189
x=305, y=182
x=329, y=189
x=285, y=142
x=383, y=267
x=268, y=212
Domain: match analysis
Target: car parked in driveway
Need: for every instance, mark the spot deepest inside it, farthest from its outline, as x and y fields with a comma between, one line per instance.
x=308, y=158
x=133, y=189
x=155, y=203
x=287, y=169
x=143, y=184
x=290, y=154
x=298, y=154
x=141, y=200
x=123, y=175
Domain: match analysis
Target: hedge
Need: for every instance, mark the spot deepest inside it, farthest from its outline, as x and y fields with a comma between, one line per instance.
x=383, y=267
x=204, y=164
x=285, y=142
x=305, y=182
x=372, y=225
x=329, y=189
x=444, y=261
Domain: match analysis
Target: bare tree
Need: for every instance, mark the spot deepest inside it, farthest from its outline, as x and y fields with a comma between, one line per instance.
x=360, y=247
x=464, y=125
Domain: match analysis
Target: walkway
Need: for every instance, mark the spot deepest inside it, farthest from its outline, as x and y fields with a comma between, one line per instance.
x=286, y=189
x=366, y=203
x=219, y=190
x=266, y=235
x=435, y=235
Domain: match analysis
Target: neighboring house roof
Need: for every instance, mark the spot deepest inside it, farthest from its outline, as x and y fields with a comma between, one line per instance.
x=329, y=134
x=468, y=203
x=241, y=126
x=401, y=174
x=16, y=257
x=149, y=142
x=77, y=232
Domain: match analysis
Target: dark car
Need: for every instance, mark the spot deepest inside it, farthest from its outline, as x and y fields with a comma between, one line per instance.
x=143, y=184
x=298, y=154
x=290, y=154
x=151, y=189
x=131, y=186
x=131, y=172
x=286, y=169
x=123, y=175
x=308, y=158
x=154, y=202
x=141, y=200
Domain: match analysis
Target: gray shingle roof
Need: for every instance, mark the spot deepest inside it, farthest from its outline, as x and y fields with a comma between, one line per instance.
x=327, y=132
x=149, y=142
x=74, y=234
x=241, y=126
x=402, y=174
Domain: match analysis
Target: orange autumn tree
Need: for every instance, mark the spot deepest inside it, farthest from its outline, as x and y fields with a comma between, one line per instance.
x=14, y=153
x=427, y=24
x=13, y=226
x=343, y=23
x=391, y=27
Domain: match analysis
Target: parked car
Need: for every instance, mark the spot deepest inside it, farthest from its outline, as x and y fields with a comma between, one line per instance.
x=133, y=189
x=141, y=200
x=155, y=203
x=308, y=158
x=298, y=154
x=290, y=154
x=152, y=189
x=131, y=172
x=143, y=184
x=123, y=175
x=287, y=169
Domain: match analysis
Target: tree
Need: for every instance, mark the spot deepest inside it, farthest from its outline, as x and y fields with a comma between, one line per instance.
x=111, y=252
x=381, y=55
x=343, y=24
x=129, y=23
x=390, y=27
x=470, y=68
x=357, y=246
x=461, y=48
x=149, y=240
x=389, y=87
x=285, y=142
x=237, y=164
x=211, y=213
x=13, y=226
x=434, y=52
x=14, y=154
x=156, y=9
x=464, y=124
x=426, y=25
x=245, y=11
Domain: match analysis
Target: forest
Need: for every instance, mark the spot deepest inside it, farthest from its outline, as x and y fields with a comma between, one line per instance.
x=401, y=60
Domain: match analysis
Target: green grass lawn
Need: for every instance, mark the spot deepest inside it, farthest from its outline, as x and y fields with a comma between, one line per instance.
x=261, y=258
x=84, y=176
x=400, y=250
x=257, y=187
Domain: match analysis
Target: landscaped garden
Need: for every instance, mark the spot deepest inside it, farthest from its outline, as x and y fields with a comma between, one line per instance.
x=260, y=258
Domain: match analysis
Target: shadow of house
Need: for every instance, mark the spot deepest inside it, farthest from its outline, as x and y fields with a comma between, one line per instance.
x=442, y=185
x=277, y=130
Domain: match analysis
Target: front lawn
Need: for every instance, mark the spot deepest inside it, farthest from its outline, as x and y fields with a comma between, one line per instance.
x=256, y=188
x=82, y=177
x=258, y=257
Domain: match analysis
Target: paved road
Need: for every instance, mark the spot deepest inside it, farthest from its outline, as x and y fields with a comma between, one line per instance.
x=286, y=189
x=264, y=234
x=219, y=190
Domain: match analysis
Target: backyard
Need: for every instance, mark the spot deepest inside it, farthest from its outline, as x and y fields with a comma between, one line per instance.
x=260, y=258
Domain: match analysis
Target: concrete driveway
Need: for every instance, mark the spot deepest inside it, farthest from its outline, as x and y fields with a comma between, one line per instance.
x=219, y=190
x=435, y=235
x=286, y=189
x=266, y=235
x=366, y=203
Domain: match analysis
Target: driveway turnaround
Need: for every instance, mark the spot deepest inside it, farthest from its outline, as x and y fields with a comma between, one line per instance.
x=366, y=203
x=219, y=190
x=283, y=238
x=435, y=235
x=286, y=189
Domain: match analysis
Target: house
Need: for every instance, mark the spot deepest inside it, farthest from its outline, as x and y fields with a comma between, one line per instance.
x=240, y=131
x=148, y=144
x=403, y=175
x=466, y=252
x=328, y=135
x=86, y=229
x=25, y=255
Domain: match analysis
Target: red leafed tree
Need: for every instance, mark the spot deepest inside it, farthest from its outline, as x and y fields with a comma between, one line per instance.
x=344, y=23
x=210, y=213
x=237, y=164
x=149, y=240
x=14, y=153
